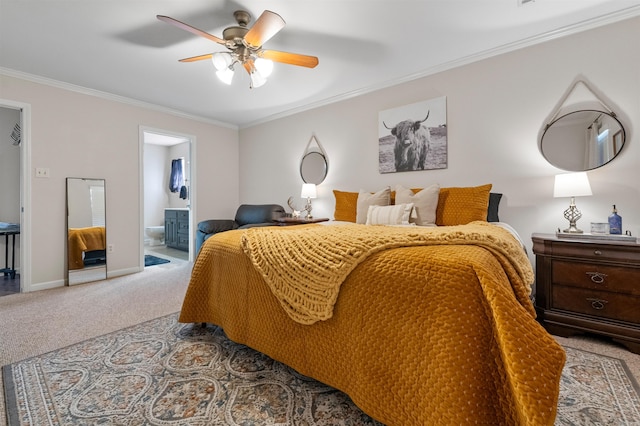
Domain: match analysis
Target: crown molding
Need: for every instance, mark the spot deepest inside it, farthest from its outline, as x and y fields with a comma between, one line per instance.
x=630, y=12
x=589, y=24
x=110, y=96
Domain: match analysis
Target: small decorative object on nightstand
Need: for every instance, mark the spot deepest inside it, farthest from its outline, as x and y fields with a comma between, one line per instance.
x=615, y=222
x=587, y=285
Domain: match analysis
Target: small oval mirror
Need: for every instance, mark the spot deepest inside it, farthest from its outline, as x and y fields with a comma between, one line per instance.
x=313, y=167
x=582, y=140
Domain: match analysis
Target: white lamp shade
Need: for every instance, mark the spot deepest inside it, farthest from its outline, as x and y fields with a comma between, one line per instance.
x=221, y=60
x=225, y=75
x=308, y=190
x=257, y=79
x=572, y=185
x=264, y=66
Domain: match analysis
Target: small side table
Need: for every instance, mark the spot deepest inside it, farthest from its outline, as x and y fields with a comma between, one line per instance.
x=286, y=221
x=9, y=229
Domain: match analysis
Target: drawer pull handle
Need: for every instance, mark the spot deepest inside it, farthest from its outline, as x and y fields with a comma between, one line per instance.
x=598, y=303
x=597, y=277
x=597, y=252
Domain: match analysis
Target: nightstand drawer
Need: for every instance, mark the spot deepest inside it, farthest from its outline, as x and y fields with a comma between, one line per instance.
x=627, y=253
x=596, y=277
x=596, y=303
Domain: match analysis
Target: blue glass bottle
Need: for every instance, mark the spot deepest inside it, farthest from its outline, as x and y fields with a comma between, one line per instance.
x=615, y=222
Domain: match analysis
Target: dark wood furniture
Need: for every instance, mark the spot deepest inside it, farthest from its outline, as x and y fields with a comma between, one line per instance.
x=176, y=229
x=284, y=221
x=587, y=285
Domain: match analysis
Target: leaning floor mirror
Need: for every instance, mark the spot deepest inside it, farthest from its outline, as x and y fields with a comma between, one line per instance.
x=86, y=230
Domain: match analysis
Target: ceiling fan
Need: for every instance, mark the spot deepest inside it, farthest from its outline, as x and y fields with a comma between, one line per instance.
x=245, y=47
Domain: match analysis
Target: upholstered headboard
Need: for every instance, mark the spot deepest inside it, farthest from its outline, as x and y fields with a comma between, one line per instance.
x=494, y=204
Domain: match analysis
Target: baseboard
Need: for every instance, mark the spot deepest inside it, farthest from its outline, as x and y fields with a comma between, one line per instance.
x=46, y=285
x=61, y=283
x=121, y=272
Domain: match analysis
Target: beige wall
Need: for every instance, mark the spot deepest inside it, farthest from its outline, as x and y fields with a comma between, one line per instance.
x=496, y=109
x=77, y=135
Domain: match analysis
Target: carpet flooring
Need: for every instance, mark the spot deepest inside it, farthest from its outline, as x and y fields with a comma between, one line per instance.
x=150, y=260
x=162, y=372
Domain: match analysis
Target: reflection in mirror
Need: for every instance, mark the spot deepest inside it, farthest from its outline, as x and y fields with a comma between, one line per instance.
x=582, y=140
x=313, y=167
x=86, y=230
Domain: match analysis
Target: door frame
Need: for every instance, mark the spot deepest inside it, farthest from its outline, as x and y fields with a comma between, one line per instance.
x=192, y=188
x=25, y=190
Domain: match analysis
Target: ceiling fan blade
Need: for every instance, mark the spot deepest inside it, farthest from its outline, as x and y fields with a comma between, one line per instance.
x=197, y=58
x=267, y=25
x=189, y=28
x=289, y=58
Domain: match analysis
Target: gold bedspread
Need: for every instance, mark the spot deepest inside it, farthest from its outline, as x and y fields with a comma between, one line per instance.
x=84, y=239
x=305, y=266
x=423, y=335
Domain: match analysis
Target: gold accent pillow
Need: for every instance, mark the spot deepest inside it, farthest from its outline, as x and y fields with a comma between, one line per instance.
x=459, y=206
x=346, y=206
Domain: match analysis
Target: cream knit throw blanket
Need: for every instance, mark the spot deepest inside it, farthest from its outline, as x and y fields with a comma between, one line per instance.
x=305, y=265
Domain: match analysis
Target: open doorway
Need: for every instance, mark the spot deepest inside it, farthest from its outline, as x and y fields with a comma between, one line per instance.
x=10, y=139
x=15, y=191
x=167, y=197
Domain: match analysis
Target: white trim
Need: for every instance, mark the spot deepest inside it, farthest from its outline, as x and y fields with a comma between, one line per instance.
x=25, y=191
x=110, y=96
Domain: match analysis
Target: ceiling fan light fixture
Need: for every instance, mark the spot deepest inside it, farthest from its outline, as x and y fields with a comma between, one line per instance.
x=221, y=60
x=257, y=79
x=225, y=75
x=264, y=66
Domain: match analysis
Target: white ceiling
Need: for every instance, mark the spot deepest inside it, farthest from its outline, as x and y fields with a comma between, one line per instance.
x=120, y=48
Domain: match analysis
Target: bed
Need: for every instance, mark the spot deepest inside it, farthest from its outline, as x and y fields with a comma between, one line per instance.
x=86, y=245
x=417, y=325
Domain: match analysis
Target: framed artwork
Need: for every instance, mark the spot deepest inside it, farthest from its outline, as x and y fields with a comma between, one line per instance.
x=413, y=137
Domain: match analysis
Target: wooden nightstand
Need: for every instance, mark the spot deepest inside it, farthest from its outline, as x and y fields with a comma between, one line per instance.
x=588, y=286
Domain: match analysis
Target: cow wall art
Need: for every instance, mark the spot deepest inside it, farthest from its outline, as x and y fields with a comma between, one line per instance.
x=413, y=137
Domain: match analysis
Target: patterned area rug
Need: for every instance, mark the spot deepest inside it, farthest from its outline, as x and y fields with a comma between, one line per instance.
x=162, y=372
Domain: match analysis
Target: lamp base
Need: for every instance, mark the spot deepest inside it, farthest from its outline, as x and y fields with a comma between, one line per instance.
x=572, y=214
x=573, y=230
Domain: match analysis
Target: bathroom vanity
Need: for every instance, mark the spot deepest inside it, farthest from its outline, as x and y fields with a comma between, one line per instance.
x=176, y=228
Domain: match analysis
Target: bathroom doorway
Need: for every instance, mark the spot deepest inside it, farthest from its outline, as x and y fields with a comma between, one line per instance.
x=167, y=202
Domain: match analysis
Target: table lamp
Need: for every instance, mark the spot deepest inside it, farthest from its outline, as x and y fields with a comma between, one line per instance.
x=572, y=185
x=308, y=192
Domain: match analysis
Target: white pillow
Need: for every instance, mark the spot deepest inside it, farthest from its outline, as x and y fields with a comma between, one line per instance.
x=425, y=203
x=366, y=199
x=398, y=214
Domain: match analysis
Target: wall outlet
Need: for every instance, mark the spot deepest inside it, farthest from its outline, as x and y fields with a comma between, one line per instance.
x=42, y=172
x=110, y=248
